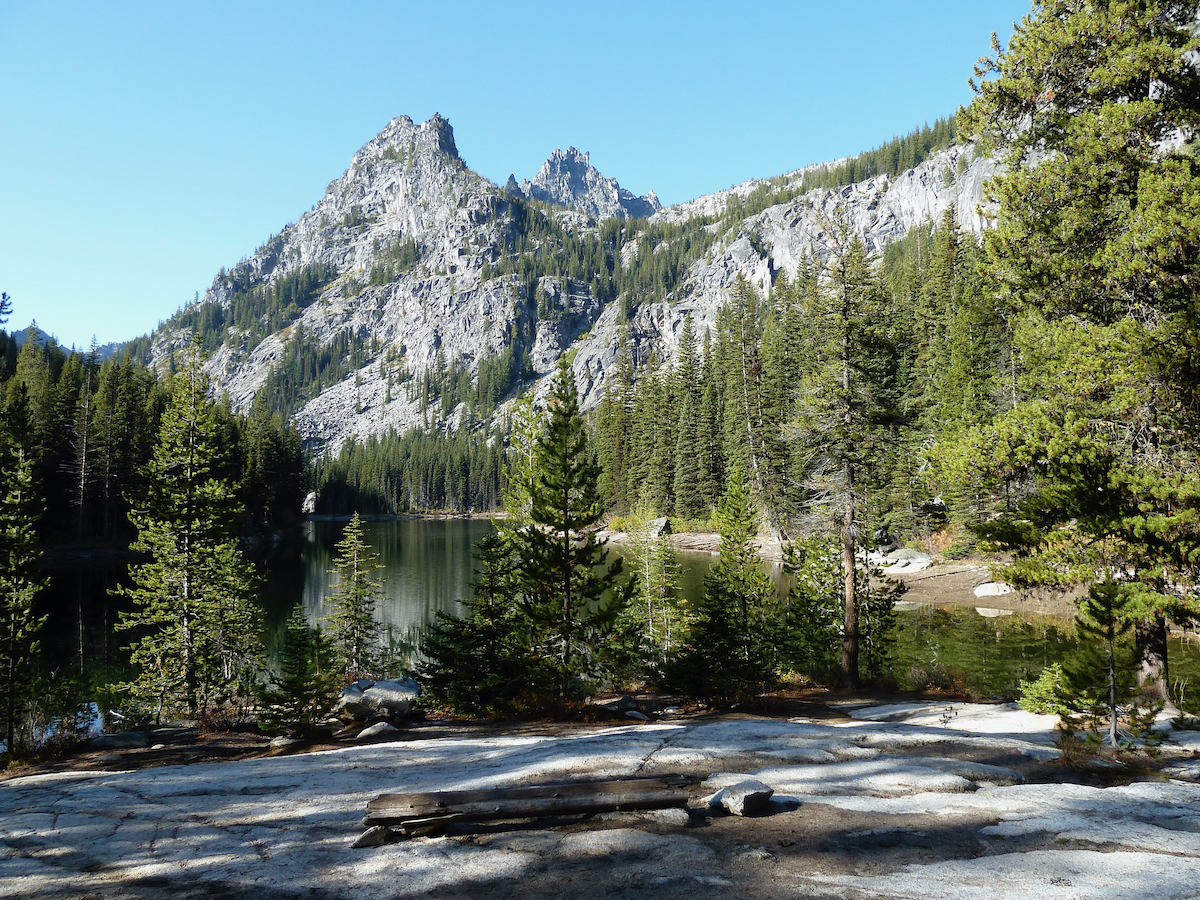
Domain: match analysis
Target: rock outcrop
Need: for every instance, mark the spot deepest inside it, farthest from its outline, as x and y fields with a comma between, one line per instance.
x=413, y=247
x=569, y=179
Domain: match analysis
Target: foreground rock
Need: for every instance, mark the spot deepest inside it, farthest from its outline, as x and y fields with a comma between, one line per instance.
x=391, y=699
x=897, y=805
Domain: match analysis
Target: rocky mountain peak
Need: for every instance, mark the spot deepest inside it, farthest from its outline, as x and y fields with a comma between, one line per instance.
x=569, y=179
x=403, y=138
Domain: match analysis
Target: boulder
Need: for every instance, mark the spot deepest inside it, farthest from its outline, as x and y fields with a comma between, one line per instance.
x=993, y=589
x=659, y=527
x=391, y=698
x=745, y=798
x=122, y=740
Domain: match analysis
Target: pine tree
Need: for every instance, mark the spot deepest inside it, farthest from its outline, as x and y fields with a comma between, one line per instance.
x=1101, y=677
x=200, y=632
x=689, y=503
x=353, y=628
x=1095, y=258
x=730, y=652
x=306, y=687
x=843, y=412
x=481, y=663
x=20, y=580
x=569, y=593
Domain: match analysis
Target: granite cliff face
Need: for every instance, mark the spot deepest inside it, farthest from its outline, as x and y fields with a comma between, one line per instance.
x=450, y=302
x=569, y=179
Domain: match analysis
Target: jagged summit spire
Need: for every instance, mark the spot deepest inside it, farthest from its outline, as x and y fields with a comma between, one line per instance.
x=570, y=179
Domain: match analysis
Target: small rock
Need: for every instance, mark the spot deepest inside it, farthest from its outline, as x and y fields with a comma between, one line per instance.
x=375, y=730
x=159, y=747
x=123, y=740
x=757, y=854
x=376, y=836
x=744, y=798
x=634, y=714
x=993, y=589
x=284, y=741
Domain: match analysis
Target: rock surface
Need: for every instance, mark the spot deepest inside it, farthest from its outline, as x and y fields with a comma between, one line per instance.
x=746, y=798
x=569, y=179
x=894, y=805
x=409, y=187
x=391, y=699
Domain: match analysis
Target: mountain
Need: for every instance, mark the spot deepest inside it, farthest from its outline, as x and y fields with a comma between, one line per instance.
x=417, y=293
x=569, y=179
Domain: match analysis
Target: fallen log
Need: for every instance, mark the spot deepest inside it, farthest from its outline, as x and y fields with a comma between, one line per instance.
x=527, y=802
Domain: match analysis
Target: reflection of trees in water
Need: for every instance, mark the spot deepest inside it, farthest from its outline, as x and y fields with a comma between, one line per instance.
x=427, y=567
x=939, y=647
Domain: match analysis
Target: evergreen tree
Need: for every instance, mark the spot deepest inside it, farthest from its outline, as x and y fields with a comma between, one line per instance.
x=197, y=625
x=689, y=502
x=844, y=411
x=307, y=685
x=1101, y=677
x=20, y=579
x=654, y=624
x=569, y=592
x=481, y=663
x=730, y=650
x=1096, y=258
x=813, y=609
x=353, y=628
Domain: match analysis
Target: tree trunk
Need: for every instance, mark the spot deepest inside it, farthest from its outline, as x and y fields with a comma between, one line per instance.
x=1152, y=676
x=849, y=573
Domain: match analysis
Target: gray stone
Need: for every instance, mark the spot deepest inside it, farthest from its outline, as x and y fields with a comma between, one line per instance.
x=375, y=836
x=122, y=740
x=375, y=730
x=745, y=798
x=391, y=698
x=659, y=527
x=283, y=742
x=635, y=714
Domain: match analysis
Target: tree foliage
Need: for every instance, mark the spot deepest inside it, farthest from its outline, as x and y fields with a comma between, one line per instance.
x=1095, y=257
x=20, y=580
x=195, y=622
x=353, y=629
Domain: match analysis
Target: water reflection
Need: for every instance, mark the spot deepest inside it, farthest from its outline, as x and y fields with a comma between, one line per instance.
x=427, y=567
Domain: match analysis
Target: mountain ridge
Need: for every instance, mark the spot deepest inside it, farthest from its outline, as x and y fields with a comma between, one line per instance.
x=413, y=269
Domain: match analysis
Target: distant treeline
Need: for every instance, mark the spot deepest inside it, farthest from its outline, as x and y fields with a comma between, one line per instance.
x=419, y=470
x=91, y=426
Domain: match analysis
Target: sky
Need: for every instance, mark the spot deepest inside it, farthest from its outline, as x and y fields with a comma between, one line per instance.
x=145, y=146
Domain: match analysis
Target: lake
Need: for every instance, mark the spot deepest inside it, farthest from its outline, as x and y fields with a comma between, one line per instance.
x=427, y=567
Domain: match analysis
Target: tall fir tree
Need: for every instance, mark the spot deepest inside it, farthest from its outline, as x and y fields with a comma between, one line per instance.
x=198, y=625
x=570, y=591
x=20, y=580
x=353, y=628
x=1095, y=257
x=843, y=412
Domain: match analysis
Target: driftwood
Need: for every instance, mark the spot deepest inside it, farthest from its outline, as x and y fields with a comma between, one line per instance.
x=426, y=813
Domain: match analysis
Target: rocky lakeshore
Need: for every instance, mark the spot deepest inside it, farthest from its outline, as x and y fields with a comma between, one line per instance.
x=915, y=799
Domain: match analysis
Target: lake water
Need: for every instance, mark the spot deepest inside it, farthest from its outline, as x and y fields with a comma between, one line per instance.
x=427, y=567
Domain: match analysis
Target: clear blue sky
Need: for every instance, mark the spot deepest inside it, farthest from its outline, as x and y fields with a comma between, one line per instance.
x=144, y=146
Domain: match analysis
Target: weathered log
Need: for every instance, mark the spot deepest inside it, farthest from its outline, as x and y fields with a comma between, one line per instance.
x=530, y=801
